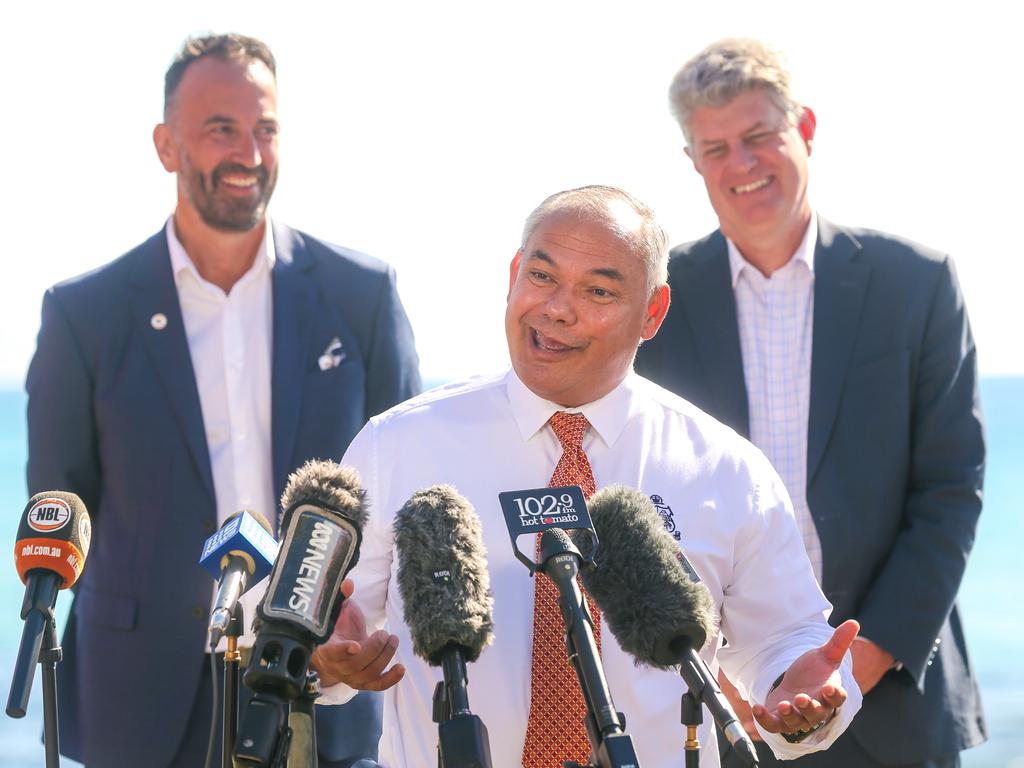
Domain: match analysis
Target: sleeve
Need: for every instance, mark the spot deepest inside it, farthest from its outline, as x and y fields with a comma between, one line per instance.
x=62, y=449
x=372, y=574
x=943, y=498
x=773, y=609
x=393, y=372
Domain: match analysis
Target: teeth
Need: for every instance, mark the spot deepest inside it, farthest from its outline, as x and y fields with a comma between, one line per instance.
x=548, y=344
x=236, y=181
x=751, y=187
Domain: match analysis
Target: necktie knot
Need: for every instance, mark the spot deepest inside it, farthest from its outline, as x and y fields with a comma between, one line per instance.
x=569, y=428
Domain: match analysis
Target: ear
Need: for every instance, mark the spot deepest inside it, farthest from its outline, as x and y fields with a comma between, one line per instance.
x=808, y=123
x=166, y=149
x=657, y=308
x=693, y=159
x=513, y=271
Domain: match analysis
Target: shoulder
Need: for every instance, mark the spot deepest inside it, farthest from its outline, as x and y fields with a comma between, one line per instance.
x=881, y=249
x=467, y=399
x=332, y=259
x=103, y=289
x=697, y=252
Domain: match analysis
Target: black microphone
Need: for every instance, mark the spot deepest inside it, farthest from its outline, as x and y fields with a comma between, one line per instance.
x=238, y=556
x=53, y=542
x=446, y=597
x=323, y=522
x=653, y=601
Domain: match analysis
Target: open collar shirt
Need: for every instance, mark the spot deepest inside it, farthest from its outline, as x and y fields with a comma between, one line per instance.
x=717, y=494
x=230, y=341
x=775, y=316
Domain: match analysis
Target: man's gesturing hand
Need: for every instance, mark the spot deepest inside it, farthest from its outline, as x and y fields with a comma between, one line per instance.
x=811, y=690
x=351, y=657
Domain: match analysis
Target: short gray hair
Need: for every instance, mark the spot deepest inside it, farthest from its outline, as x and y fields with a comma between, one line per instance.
x=723, y=71
x=647, y=240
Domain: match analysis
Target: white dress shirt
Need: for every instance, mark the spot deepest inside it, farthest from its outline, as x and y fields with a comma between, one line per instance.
x=230, y=342
x=488, y=435
x=776, y=319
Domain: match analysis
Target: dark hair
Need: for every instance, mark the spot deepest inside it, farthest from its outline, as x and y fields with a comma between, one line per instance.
x=227, y=47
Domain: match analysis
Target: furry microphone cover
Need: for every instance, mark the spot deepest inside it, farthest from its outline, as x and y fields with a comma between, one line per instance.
x=329, y=485
x=442, y=574
x=646, y=596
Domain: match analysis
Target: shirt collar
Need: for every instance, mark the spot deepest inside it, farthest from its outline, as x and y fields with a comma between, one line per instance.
x=608, y=416
x=181, y=263
x=804, y=252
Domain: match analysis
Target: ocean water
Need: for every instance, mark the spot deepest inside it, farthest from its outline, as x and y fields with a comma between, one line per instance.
x=992, y=585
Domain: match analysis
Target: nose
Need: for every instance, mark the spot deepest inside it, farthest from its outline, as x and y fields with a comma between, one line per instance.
x=743, y=158
x=247, y=150
x=560, y=307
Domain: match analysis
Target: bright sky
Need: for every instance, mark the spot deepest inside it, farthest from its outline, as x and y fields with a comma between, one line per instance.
x=424, y=133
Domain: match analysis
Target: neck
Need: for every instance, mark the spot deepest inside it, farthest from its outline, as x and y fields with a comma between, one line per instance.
x=770, y=251
x=220, y=257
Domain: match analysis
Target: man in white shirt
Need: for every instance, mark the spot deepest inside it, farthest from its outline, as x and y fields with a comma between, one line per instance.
x=846, y=356
x=586, y=286
x=183, y=382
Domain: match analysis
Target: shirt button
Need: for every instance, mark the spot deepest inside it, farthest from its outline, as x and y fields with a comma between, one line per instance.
x=198, y=612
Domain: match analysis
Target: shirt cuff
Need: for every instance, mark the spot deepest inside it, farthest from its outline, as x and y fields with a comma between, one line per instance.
x=339, y=693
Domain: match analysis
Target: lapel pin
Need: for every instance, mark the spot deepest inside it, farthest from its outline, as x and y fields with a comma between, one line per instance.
x=332, y=356
x=158, y=321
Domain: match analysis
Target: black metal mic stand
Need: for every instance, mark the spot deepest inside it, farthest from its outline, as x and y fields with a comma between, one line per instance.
x=691, y=716
x=610, y=745
x=462, y=740
x=39, y=643
x=232, y=659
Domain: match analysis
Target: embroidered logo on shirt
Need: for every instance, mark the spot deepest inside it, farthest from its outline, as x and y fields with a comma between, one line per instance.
x=666, y=516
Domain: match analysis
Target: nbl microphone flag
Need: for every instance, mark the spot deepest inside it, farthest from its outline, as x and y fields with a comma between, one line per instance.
x=54, y=536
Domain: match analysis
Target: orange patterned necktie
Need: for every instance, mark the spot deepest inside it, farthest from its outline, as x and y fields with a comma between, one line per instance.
x=555, y=732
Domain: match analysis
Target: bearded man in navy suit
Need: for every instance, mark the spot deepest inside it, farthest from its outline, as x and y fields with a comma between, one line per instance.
x=846, y=356
x=184, y=381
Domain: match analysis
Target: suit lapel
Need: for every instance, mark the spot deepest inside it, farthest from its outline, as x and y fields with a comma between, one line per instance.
x=707, y=298
x=295, y=299
x=840, y=283
x=157, y=313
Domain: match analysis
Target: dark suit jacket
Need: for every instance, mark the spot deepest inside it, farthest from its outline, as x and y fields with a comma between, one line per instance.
x=114, y=416
x=895, y=457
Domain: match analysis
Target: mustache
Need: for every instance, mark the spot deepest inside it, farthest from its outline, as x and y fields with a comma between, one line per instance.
x=225, y=168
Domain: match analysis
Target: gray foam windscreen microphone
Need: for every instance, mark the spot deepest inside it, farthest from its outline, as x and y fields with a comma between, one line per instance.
x=648, y=599
x=442, y=574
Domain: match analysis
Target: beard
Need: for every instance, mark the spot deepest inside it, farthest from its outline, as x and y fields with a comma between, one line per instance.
x=221, y=210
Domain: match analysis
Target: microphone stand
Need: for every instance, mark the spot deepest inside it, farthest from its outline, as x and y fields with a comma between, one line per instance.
x=232, y=658
x=39, y=642
x=691, y=716
x=610, y=745
x=462, y=740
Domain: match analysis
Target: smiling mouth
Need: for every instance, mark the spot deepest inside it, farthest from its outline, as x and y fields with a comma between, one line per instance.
x=746, y=189
x=547, y=344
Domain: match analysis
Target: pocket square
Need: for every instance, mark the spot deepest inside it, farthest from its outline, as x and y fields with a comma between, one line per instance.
x=332, y=356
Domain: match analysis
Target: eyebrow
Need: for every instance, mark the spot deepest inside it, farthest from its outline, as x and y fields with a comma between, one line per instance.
x=608, y=272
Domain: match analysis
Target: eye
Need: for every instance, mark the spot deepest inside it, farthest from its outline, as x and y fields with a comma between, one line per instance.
x=540, y=277
x=715, y=152
x=268, y=131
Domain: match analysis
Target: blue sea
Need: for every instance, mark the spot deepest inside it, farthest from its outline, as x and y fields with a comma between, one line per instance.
x=992, y=585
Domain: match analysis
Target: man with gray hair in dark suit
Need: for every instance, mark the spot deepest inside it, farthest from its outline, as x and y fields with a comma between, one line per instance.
x=846, y=356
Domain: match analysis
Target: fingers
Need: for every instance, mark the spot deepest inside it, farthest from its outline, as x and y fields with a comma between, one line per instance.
x=840, y=642
x=801, y=714
x=360, y=665
x=347, y=588
x=833, y=696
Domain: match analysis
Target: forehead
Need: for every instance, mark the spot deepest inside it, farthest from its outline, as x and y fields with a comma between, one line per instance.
x=572, y=238
x=212, y=84
x=751, y=108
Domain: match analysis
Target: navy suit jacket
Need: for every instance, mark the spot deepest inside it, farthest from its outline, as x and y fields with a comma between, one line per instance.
x=114, y=416
x=895, y=457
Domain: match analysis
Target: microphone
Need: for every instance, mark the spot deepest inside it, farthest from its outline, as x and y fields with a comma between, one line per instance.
x=323, y=523
x=53, y=542
x=653, y=601
x=238, y=556
x=445, y=589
